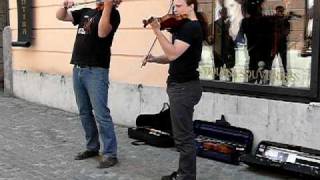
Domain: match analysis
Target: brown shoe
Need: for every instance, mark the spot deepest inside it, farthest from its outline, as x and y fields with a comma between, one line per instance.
x=86, y=154
x=107, y=162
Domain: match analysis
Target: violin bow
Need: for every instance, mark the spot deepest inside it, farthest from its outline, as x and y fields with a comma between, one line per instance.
x=155, y=39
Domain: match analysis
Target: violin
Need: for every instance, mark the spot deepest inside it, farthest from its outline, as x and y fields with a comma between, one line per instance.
x=218, y=147
x=168, y=21
x=115, y=3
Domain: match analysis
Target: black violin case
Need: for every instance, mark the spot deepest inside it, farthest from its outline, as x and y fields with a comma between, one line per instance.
x=221, y=141
x=291, y=159
x=153, y=129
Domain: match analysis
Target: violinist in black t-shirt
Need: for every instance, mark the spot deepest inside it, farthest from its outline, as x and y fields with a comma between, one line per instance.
x=183, y=53
x=91, y=59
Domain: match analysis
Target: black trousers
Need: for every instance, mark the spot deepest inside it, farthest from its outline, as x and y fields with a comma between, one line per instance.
x=282, y=51
x=183, y=97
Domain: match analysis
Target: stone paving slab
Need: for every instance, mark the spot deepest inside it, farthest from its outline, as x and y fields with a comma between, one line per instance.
x=39, y=143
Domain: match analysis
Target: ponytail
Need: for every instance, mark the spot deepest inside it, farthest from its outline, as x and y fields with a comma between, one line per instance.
x=202, y=18
x=204, y=25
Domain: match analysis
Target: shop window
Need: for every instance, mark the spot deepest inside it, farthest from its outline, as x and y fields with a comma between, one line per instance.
x=261, y=47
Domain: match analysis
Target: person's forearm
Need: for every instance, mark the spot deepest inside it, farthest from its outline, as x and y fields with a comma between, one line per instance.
x=61, y=14
x=105, y=27
x=162, y=59
x=168, y=48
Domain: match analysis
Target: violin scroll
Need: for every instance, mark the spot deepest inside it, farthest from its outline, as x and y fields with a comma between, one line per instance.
x=147, y=22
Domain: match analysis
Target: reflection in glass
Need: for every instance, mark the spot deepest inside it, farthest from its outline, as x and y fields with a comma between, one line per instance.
x=306, y=51
x=224, y=47
x=262, y=42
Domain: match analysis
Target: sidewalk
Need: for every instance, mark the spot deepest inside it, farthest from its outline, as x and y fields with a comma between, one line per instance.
x=38, y=142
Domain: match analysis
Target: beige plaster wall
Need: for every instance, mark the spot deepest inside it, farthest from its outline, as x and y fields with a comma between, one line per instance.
x=53, y=42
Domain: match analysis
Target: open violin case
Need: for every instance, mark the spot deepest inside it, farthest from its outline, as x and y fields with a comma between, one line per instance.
x=294, y=160
x=221, y=141
x=153, y=129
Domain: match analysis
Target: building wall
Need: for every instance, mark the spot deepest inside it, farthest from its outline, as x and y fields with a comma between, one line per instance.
x=3, y=23
x=42, y=74
x=286, y=122
x=53, y=41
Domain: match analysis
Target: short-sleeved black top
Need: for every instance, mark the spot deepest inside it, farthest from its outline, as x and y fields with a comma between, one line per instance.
x=89, y=49
x=184, y=68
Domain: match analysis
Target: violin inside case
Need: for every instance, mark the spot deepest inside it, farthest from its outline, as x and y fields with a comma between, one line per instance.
x=221, y=141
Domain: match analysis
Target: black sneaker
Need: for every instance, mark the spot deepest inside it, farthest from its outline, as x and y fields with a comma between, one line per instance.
x=86, y=154
x=107, y=162
x=172, y=176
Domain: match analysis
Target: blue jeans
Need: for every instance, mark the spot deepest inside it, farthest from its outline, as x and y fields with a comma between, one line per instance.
x=91, y=86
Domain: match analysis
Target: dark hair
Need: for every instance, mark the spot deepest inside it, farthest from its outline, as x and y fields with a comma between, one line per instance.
x=201, y=17
x=253, y=7
x=281, y=8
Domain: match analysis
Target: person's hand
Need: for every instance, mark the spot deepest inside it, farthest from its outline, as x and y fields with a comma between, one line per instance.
x=116, y=3
x=68, y=4
x=108, y=3
x=149, y=58
x=155, y=24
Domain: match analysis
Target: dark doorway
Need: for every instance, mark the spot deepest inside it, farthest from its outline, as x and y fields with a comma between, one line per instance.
x=4, y=21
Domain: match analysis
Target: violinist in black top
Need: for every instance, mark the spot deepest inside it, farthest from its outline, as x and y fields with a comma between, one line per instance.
x=183, y=53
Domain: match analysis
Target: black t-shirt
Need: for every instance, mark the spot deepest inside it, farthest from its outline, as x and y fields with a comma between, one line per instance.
x=184, y=68
x=89, y=49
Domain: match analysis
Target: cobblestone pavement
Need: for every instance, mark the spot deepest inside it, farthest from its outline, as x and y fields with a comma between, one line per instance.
x=38, y=142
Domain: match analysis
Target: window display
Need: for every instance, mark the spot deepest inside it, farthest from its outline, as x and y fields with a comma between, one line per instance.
x=261, y=42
